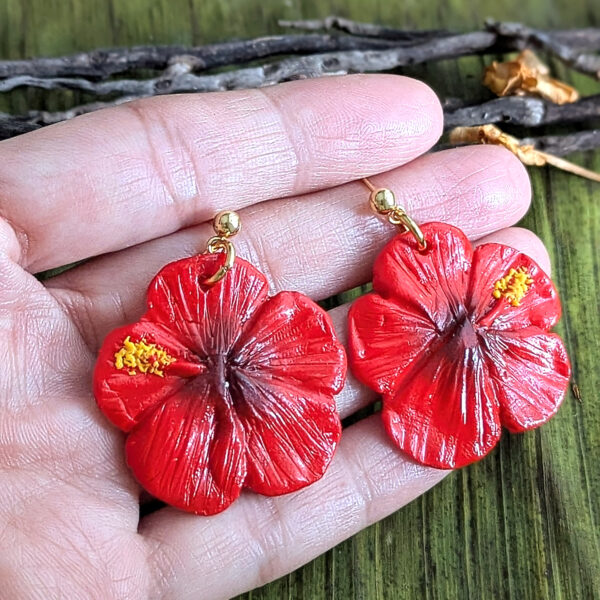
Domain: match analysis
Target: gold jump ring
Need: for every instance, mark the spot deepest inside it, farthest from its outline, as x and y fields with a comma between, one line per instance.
x=399, y=217
x=218, y=244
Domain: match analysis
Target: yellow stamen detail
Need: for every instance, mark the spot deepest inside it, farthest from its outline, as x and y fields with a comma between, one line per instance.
x=142, y=357
x=513, y=286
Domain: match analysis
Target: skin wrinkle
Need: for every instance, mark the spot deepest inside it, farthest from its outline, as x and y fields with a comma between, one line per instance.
x=299, y=145
x=147, y=120
x=186, y=166
x=272, y=540
x=260, y=135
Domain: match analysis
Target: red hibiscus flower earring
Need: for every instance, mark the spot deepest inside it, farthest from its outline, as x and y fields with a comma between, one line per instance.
x=456, y=341
x=220, y=386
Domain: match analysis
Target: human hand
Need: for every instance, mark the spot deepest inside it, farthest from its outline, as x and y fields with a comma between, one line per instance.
x=135, y=186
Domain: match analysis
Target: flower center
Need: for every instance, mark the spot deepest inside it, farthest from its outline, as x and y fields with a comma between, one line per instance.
x=513, y=286
x=142, y=357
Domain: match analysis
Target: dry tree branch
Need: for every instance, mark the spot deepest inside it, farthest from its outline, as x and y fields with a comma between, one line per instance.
x=104, y=63
x=585, y=39
x=572, y=57
x=523, y=111
x=361, y=47
x=335, y=23
x=559, y=145
x=179, y=77
x=527, y=153
x=562, y=145
x=566, y=45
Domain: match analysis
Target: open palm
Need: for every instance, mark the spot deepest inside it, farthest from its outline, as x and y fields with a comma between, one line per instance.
x=135, y=187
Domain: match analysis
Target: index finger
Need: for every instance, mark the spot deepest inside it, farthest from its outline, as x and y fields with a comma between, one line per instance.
x=121, y=176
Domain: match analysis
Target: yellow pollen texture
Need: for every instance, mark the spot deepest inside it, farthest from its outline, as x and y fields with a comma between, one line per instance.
x=513, y=286
x=141, y=357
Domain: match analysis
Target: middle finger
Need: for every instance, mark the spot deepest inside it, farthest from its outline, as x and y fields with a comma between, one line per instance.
x=321, y=246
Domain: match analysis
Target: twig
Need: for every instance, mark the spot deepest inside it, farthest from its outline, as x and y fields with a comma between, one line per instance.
x=335, y=23
x=13, y=126
x=583, y=40
x=559, y=145
x=527, y=112
x=179, y=78
x=104, y=63
x=584, y=63
x=562, y=145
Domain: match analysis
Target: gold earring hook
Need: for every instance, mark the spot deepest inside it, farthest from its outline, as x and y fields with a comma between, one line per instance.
x=226, y=224
x=383, y=202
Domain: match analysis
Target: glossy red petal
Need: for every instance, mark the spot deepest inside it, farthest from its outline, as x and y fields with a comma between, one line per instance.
x=531, y=371
x=384, y=339
x=209, y=320
x=287, y=368
x=445, y=413
x=124, y=397
x=292, y=342
x=432, y=283
x=539, y=307
x=190, y=451
x=291, y=435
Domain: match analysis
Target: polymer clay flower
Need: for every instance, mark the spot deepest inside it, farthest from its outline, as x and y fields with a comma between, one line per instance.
x=223, y=387
x=456, y=340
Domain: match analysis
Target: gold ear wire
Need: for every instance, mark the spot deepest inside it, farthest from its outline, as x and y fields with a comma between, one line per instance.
x=226, y=224
x=383, y=202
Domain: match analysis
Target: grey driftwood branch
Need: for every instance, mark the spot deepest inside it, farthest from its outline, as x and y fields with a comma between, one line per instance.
x=522, y=111
x=585, y=39
x=335, y=23
x=344, y=54
x=104, y=63
x=181, y=74
x=572, y=57
x=568, y=46
x=562, y=145
x=179, y=77
x=518, y=111
x=558, y=145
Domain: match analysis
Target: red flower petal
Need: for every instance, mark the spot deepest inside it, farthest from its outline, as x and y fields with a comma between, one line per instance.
x=531, y=372
x=445, y=414
x=539, y=306
x=288, y=367
x=291, y=342
x=291, y=437
x=432, y=283
x=123, y=397
x=190, y=451
x=384, y=339
x=209, y=320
